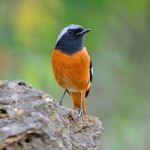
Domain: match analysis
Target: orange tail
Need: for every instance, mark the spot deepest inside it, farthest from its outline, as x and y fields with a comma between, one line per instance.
x=76, y=101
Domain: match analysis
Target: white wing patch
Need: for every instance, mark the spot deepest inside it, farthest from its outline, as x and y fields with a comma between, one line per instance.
x=92, y=70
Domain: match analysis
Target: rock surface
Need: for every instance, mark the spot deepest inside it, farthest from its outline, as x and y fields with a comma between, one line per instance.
x=30, y=120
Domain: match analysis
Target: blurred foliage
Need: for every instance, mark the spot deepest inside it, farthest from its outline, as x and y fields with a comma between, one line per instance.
x=120, y=49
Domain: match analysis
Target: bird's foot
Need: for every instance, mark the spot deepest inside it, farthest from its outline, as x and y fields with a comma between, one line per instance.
x=60, y=103
x=80, y=113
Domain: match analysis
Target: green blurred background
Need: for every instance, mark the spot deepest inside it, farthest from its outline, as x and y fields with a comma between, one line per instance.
x=120, y=49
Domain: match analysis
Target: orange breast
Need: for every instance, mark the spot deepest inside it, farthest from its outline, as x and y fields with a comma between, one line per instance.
x=72, y=71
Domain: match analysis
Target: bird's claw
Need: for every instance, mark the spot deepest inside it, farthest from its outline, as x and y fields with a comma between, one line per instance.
x=60, y=103
x=80, y=113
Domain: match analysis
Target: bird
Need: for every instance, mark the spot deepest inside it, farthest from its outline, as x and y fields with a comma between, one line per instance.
x=72, y=65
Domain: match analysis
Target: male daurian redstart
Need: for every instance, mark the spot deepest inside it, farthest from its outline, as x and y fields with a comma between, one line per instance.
x=72, y=65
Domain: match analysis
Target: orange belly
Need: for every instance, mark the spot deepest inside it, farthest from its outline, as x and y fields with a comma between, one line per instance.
x=72, y=71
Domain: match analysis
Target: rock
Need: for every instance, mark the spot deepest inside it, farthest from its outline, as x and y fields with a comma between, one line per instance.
x=31, y=120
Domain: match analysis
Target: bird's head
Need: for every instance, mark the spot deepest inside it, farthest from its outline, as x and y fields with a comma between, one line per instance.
x=70, y=38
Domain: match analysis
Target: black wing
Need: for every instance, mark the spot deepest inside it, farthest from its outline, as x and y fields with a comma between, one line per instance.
x=91, y=78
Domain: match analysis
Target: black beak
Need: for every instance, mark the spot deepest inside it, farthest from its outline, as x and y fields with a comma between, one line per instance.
x=84, y=31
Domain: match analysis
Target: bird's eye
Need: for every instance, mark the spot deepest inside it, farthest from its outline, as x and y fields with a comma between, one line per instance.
x=78, y=30
x=70, y=31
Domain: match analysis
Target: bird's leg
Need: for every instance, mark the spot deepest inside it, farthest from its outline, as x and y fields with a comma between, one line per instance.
x=61, y=100
x=80, y=109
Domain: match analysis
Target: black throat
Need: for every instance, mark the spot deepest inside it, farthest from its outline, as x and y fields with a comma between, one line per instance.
x=70, y=45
